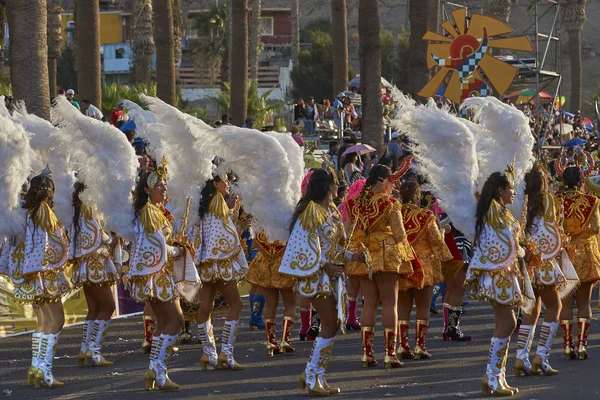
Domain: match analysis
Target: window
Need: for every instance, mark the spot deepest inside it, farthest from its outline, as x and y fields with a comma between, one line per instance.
x=266, y=26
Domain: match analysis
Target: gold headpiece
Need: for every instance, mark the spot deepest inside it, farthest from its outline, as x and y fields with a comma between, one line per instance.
x=509, y=172
x=329, y=166
x=160, y=173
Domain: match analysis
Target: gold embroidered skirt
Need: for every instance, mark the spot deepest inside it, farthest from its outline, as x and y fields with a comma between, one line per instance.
x=450, y=269
x=587, y=261
x=41, y=287
x=96, y=268
x=317, y=285
x=159, y=286
x=264, y=272
x=549, y=274
x=498, y=286
x=390, y=257
x=230, y=270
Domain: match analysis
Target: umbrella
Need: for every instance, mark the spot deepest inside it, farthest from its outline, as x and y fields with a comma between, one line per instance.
x=586, y=121
x=567, y=128
x=359, y=149
x=356, y=82
x=575, y=142
x=526, y=95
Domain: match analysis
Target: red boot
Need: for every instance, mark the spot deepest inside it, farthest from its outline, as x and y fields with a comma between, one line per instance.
x=305, y=323
x=148, y=332
x=567, y=331
x=351, y=322
x=272, y=345
x=420, y=351
x=391, y=360
x=404, y=349
x=583, y=327
x=286, y=347
x=368, y=355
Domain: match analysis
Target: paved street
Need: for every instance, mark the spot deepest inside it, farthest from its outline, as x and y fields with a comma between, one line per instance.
x=454, y=372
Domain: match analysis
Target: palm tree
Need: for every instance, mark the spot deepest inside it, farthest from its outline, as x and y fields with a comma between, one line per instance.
x=165, y=55
x=573, y=13
x=2, y=21
x=88, y=52
x=369, y=52
x=211, y=52
x=239, y=62
x=254, y=38
x=499, y=9
x=177, y=35
x=229, y=40
x=28, y=54
x=295, y=31
x=143, y=42
x=340, y=45
x=418, y=74
x=55, y=38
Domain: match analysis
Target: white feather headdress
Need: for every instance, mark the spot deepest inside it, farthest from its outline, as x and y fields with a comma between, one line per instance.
x=106, y=163
x=445, y=149
x=505, y=138
x=16, y=159
x=52, y=148
x=186, y=148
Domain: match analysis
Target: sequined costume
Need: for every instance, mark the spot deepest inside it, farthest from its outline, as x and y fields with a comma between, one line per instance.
x=36, y=266
x=428, y=243
x=317, y=237
x=379, y=227
x=90, y=252
x=494, y=274
x=581, y=223
x=153, y=272
x=545, y=236
x=264, y=269
x=219, y=254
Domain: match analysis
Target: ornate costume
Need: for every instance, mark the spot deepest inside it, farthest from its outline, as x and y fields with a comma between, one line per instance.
x=219, y=254
x=581, y=225
x=317, y=238
x=380, y=229
x=90, y=255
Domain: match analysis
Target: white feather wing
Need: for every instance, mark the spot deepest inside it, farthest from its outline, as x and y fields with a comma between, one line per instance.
x=107, y=164
x=53, y=148
x=445, y=149
x=16, y=157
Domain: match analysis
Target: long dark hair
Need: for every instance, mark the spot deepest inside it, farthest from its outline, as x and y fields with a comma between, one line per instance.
x=207, y=194
x=408, y=189
x=316, y=190
x=572, y=177
x=140, y=197
x=377, y=173
x=78, y=188
x=536, y=184
x=490, y=191
x=41, y=189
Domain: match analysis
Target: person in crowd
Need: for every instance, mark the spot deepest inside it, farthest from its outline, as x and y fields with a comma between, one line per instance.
x=91, y=110
x=71, y=98
x=394, y=149
x=118, y=114
x=225, y=120
x=249, y=122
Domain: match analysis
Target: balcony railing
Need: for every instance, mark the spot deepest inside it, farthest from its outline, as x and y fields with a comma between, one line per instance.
x=268, y=77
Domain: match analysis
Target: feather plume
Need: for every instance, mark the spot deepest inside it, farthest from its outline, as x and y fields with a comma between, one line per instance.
x=180, y=142
x=52, y=147
x=445, y=149
x=506, y=137
x=106, y=163
x=16, y=158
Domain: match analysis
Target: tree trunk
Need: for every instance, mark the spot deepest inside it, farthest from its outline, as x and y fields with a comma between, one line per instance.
x=499, y=9
x=239, y=63
x=143, y=42
x=433, y=15
x=2, y=21
x=89, y=74
x=28, y=54
x=177, y=36
x=254, y=33
x=295, y=31
x=573, y=20
x=229, y=41
x=576, y=70
x=165, y=55
x=340, y=45
x=418, y=74
x=369, y=52
x=55, y=39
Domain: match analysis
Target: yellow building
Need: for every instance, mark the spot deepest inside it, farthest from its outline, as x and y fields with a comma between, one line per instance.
x=113, y=27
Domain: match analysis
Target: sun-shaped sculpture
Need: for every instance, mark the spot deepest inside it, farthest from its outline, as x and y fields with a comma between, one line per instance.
x=462, y=55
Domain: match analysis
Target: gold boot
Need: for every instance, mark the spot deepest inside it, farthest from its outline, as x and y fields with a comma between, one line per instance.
x=390, y=359
x=149, y=379
x=226, y=360
x=538, y=365
x=225, y=364
x=317, y=390
x=368, y=355
x=31, y=375
x=520, y=368
x=332, y=390
x=487, y=387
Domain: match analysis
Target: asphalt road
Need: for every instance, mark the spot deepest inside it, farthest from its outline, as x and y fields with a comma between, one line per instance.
x=454, y=372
